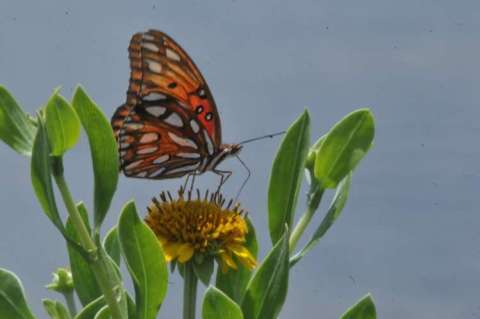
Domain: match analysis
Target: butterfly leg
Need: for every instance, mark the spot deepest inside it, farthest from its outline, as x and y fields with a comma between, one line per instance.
x=184, y=187
x=193, y=174
x=224, y=176
x=249, y=173
x=190, y=175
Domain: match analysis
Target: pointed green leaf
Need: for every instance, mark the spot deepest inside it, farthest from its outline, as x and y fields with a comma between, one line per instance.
x=41, y=174
x=112, y=245
x=310, y=161
x=363, y=309
x=145, y=261
x=90, y=310
x=335, y=209
x=55, y=309
x=104, y=313
x=233, y=283
x=217, y=305
x=344, y=146
x=62, y=123
x=12, y=297
x=84, y=279
x=16, y=128
x=267, y=289
x=103, y=148
x=286, y=176
x=204, y=269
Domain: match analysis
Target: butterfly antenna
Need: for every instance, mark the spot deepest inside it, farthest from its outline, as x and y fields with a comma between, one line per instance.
x=262, y=137
x=249, y=173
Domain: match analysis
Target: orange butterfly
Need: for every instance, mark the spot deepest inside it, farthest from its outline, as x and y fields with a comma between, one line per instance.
x=169, y=127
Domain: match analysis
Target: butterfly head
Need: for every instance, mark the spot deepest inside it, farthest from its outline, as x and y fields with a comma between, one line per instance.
x=231, y=149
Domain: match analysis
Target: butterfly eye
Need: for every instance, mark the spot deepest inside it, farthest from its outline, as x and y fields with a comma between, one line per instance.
x=172, y=85
x=209, y=116
x=199, y=109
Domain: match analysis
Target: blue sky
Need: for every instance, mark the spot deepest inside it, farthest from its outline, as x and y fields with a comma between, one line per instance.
x=409, y=233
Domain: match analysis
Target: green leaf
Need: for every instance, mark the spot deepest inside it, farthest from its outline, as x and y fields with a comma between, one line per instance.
x=104, y=313
x=335, y=209
x=112, y=271
x=310, y=161
x=112, y=245
x=62, y=123
x=344, y=146
x=84, y=279
x=204, y=269
x=12, y=297
x=267, y=289
x=233, y=283
x=41, y=174
x=131, y=307
x=363, y=309
x=55, y=309
x=90, y=310
x=217, y=305
x=103, y=148
x=286, y=176
x=145, y=262
x=16, y=128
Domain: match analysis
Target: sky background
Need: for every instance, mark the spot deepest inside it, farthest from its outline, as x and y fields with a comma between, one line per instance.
x=410, y=231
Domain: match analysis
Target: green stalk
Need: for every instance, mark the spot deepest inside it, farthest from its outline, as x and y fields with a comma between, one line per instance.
x=98, y=262
x=315, y=196
x=69, y=298
x=189, y=291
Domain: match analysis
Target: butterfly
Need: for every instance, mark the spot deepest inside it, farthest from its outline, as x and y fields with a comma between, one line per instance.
x=169, y=126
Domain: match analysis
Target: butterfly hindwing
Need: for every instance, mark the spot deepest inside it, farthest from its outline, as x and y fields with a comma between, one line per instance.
x=159, y=139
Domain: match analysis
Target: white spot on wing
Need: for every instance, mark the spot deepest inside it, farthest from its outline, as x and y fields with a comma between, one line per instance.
x=150, y=46
x=172, y=55
x=174, y=119
x=157, y=173
x=147, y=36
x=188, y=155
x=133, y=165
x=209, y=143
x=124, y=145
x=149, y=138
x=154, y=66
x=188, y=168
x=161, y=159
x=194, y=126
x=147, y=150
x=156, y=110
x=154, y=97
x=142, y=174
x=133, y=126
x=182, y=141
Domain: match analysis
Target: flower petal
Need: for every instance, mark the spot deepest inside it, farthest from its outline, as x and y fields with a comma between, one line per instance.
x=185, y=252
x=170, y=249
x=228, y=260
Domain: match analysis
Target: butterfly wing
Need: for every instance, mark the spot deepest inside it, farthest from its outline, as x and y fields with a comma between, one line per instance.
x=169, y=125
x=161, y=140
x=159, y=65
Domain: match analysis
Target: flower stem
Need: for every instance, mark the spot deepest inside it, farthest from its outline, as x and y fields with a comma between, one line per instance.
x=69, y=298
x=189, y=291
x=97, y=260
x=315, y=196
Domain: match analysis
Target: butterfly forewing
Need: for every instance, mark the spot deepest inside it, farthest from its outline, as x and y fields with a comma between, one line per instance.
x=169, y=126
x=160, y=65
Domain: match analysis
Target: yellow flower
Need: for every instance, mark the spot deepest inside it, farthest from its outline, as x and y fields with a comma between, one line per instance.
x=203, y=226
